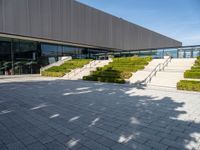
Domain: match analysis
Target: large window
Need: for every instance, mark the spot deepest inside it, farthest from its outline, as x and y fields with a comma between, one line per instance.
x=18, y=56
x=5, y=49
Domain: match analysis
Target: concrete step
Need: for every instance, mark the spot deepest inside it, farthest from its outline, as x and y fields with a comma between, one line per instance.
x=168, y=77
x=141, y=75
x=173, y=73
x=86, y=70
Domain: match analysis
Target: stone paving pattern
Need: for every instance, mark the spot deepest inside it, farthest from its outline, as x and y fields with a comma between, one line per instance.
x=80, y=115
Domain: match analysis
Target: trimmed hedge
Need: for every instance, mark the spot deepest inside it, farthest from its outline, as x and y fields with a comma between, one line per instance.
x=118, y=70
x=59, y=71
x=52, y=74
x=188, y=85
x=104, y=79
x=195, y=67
x=194, y=72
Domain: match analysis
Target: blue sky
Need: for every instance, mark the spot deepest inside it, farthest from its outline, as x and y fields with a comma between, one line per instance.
x=178, y=19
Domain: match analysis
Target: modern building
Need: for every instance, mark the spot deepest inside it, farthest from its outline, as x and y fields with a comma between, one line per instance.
x=34, y=33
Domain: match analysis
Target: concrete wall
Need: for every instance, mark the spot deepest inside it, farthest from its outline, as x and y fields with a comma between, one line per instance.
x=71, y=21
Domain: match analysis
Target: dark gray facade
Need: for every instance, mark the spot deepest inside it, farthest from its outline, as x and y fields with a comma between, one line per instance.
x=72, y=22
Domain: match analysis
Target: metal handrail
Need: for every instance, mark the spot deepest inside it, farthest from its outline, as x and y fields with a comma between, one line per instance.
x=152, y=74
x=75, y=72
x=160, y=66
x=165, y=64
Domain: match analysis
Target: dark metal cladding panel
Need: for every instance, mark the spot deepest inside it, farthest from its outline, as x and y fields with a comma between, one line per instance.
x=10, y=19
x=45, y=19
x=56, y=20
x=34, y=18
x=22, y=22
x=1, y=15
x=72, y=21
x=88, y=24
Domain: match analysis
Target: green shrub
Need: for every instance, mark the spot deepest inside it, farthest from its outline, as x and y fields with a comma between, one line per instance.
x=118, y=70
x=194, y=70
x=52, y=74
x=197, y=62
x=125, y=75
x=195, y=67
x=59, y=71
x=90, y=78
x=192, y=74
x=188, y=85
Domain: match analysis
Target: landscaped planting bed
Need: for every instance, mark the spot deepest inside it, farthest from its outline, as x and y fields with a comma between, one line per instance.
x=59, y=71
x=194, y=72
x=188, y=85
x=118, y=70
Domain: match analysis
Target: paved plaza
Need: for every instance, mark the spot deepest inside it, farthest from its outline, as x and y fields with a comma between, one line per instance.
x=51, y=114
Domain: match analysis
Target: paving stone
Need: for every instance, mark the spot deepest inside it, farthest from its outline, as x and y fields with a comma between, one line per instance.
x=168, y=136
x=138, y=146
x=151, y=118
x=95, y=146
x=54, y=145
x=73, y=144
x=106, y=141
x=156, y=145
x=65, y=131
x=3, y=147
x=28, y=140
x=149, y=131
x=91, y=135
x=120, y=147
x=8, y=138
x=80, y=137
x=21, y=134
x=52, y=132
x=107, y=128
x=173, y=144
x=16, y=146
x=45, y=139
x=37, y=146
x=62, y=138
x=97, y=130
x=83, y=148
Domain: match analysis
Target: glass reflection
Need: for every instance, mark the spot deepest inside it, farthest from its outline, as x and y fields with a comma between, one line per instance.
x=27, y=57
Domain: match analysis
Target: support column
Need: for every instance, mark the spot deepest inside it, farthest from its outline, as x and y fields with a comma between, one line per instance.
x=12, y=57
x=192, y=54
x=177, y=53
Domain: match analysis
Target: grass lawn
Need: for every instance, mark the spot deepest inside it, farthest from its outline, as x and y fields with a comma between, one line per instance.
x=194, y=72
x=188, y=85
x=59, y=71
x=118, y=70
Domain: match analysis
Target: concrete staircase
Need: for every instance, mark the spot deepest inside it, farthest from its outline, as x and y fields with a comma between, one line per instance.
x=57, y=63
x=173, y=73
x=78, y=73
x=168, y=77
x=141, y=75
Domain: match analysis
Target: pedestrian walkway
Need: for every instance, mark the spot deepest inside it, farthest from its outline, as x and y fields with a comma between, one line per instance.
x=61, y=114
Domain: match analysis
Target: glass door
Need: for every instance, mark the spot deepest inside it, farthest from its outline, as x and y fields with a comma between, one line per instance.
x=188, y=54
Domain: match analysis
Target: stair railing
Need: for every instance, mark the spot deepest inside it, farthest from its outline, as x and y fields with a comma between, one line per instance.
x=152, y=74
x=77, y=71
x=165, y=64
x=57, y=63
x=159, y=67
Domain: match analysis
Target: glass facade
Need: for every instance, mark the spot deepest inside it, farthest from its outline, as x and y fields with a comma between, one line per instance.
x=18, y=57
x=27, y=57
